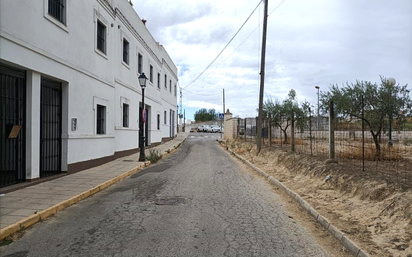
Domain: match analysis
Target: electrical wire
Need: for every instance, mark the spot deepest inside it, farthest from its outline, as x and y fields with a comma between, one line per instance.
x=184, y=88
x=240, y=45
x=201, y=94
x=223, y=48
x=276, y=8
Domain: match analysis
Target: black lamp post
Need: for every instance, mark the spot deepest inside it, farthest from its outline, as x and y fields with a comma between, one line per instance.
x=142, y=81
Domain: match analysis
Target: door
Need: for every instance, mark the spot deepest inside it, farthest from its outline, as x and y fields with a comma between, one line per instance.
x=12, y=126
x=50, y=127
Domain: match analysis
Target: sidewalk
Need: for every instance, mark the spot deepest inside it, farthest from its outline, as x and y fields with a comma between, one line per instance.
x=24, y=207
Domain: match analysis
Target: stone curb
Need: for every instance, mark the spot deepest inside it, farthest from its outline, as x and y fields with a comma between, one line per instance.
x=346, y=242
x=41, y=215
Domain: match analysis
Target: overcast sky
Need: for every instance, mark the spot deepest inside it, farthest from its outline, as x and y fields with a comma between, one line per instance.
x=316, y=42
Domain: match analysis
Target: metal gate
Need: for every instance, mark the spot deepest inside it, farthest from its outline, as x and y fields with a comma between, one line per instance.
x=12, y=125
x=50, y=127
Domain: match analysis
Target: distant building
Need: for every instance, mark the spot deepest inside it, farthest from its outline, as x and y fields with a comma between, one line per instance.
x=69, y=88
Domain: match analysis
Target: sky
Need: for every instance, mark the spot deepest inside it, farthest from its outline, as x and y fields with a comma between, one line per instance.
x=309, y=43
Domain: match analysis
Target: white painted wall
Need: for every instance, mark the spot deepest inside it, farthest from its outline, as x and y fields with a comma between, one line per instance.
x=32, y=40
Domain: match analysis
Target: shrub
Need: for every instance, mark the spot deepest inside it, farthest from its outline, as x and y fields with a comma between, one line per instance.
x=154, y=155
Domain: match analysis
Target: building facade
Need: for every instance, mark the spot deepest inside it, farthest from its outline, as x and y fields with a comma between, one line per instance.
x=69, y=94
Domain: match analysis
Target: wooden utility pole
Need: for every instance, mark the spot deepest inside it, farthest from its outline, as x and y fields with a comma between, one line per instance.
x=224, y=101
x=262, y=78
x=221, y=124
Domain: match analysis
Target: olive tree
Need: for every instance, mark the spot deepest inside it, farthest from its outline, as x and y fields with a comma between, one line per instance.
x=281, y=112
x=381, y=102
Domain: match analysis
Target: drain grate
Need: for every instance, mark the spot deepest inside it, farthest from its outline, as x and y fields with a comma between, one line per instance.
x=171, y=201
x=128, y=160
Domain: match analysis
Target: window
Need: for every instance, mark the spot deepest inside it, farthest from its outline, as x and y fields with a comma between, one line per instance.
x=100, y=122
x=165, y=81
x=175, y=90
x=125, y=115
x=101, y=37
x=170, y=86
x=151, y=74
x=158, y=80
x=158, y=122
x=139, y=63
x=125, y=51
x=56, y=8
x=165, y=121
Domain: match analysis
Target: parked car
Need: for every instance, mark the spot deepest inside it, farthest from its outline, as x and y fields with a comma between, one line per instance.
x=202, y=128
x=213, y=129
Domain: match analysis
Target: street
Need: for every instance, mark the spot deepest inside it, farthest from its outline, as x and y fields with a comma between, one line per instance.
x=197, y=202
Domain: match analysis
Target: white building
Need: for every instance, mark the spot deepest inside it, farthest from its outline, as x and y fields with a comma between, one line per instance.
x=68, y=81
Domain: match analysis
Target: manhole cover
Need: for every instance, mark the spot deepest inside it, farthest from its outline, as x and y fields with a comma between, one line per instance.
x=171, y=201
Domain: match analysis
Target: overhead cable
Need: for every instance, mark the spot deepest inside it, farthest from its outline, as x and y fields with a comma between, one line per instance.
x=223, y=48
x=201, y=94
x=236, y=47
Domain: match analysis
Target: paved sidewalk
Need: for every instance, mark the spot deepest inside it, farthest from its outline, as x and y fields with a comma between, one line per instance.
x=24, y=207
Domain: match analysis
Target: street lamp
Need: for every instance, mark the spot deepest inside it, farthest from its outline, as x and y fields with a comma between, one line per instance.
x=317, y=119
x=142, y=81
x=391, y=82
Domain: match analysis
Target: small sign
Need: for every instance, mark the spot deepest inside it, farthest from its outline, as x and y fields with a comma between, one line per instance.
x=74, y=124
x=14, y=133
x=144, y=115
x=221, y=116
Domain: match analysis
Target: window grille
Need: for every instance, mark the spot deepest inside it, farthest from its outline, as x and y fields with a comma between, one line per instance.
x=56, y=9
x=101, y=37
x=125, y=115
x=101, y=115
x=125, y=51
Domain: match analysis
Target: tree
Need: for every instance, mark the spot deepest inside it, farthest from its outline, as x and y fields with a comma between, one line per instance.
x=205, y=115
x=281, y=113
x=380, y=103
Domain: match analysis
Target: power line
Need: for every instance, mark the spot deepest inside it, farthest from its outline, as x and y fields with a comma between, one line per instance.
x=238, y=46
x=200, y=94
x=276, y=8
x=231, y=52
x=223, y=48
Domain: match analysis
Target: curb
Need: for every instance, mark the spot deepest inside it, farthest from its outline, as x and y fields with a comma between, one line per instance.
x=339, y=235
x=42, y=215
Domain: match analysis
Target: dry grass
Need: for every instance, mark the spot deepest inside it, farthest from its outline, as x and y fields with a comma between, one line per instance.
x=387, y=153
x=298, y=141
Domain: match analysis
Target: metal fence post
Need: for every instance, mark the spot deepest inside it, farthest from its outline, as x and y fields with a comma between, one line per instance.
x=270, y=130
x=331, y=131
x=292, y=133
x=310, y=130
x=363, y=134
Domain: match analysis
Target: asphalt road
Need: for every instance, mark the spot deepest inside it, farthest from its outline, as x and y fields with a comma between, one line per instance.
x=198, y=202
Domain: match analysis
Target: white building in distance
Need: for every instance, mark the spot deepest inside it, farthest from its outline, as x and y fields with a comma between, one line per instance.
x=69, y=94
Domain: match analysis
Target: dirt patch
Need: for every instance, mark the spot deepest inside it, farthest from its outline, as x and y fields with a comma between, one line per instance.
x=372, y=210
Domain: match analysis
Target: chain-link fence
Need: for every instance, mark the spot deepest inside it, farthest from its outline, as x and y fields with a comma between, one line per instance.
x=354, y=144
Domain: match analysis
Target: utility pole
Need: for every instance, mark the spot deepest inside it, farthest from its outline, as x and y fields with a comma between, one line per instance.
x=317, y=119
x=181, y=107
x=223, y=100
x=221, y=126
x=262, y=78
x=184, y=120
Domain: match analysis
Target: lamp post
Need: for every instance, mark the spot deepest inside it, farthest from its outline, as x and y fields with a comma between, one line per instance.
x=391, y=82
x=142, y=81
x=317, y=118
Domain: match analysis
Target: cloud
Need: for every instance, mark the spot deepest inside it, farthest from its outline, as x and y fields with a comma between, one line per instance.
x=309, y=43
